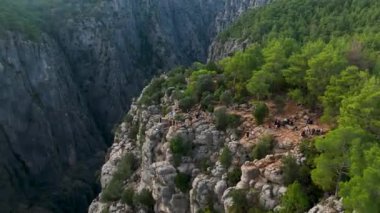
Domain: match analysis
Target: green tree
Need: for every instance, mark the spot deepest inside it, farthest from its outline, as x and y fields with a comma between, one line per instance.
x=361, y=192
x=260, y=83
x=294, y=200
x=327, y=63
x=345, y=84
x=362, y=110
x=332, y=165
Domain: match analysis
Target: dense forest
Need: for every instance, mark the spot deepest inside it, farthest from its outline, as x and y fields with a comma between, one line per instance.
x=322, y=54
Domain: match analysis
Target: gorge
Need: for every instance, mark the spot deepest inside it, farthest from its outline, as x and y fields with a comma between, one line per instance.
x=65, y=87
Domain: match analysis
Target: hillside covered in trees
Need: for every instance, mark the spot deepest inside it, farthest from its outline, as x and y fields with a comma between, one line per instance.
x=321, y=54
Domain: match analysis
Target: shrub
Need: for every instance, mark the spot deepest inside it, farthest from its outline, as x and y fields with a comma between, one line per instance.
x=221, y=119
x=153, y=93
x=260, y=113
x=226, y=98
x=127, y=196
x=203, y=84
x=263, y=147
x=233, y=120
x=294, y=200
x=145, y=199
x=134, y=130
x=113, y=190
x=125, y=169
x=239, y=199
x=128, y=118
x=179, y=148
x=207, y=101
x=233, y=177
x=182, y=182
x=226, y=157
x=290, y=170
x=186, y=103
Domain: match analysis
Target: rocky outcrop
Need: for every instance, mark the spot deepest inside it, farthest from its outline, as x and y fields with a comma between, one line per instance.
x=210, y=184
x=328, y=205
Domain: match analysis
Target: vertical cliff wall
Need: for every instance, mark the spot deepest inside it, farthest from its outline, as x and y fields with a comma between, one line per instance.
x=62, y=93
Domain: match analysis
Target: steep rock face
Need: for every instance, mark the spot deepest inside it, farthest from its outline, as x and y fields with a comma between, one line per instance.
x=46, y=130
x=61, y=95
x=233, y=9
x=117, y=50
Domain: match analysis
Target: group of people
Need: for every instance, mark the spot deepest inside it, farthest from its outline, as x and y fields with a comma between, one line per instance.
x=311, y=131
x=281, y=123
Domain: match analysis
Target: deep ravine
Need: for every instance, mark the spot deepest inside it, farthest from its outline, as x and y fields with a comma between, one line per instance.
x=61, y=95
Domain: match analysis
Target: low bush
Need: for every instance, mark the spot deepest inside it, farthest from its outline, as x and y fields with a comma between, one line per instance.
x=295, y=200
x=223, y=120
x=183, y=182
x=186, y=103
x=179, y=147
x=127, y=196
x=226, y=98
x=240, y=203
x=144, y=199
x=113, y=191
x=153, y=93
x=260, y=112
x=207, y=102
x=290, y=170
x=233, y=177
x=263, y=147
x=226, y=157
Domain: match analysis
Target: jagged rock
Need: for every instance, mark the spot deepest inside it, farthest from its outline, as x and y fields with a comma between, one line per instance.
x=249, y=173
x=274, y=174
x=97, y=207
x=329, y=205
x=179, y=203
x=120, y=208
x=201, y=192
x=220, y=187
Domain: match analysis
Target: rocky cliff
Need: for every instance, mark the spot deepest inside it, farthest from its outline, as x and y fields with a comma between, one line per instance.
x=62, y=93
x=211, y=184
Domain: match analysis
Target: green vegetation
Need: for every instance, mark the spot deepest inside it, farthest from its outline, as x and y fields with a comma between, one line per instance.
x=224, y=120
x=294, y=200
x=145, y=200
x=125, y=169
x=263, y=147
x=183, y=182
x=233, y=177
x=226, y=157
x=127, y=196
x=306, y=20
x=260, y=113
x=179, y=147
